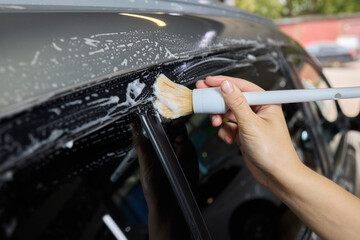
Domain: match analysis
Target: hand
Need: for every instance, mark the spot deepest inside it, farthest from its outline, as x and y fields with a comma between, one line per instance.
x=260, y=131
x=264, y=140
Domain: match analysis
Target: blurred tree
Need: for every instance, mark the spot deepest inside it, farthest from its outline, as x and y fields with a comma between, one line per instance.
x=290, y=8
x=339, y=6
x=268, y=8
x=300, y=7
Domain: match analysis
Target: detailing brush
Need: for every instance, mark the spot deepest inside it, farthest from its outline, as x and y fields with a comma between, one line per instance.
x=174, y=100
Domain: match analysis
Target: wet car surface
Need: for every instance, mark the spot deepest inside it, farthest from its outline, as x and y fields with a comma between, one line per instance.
x=83, y=154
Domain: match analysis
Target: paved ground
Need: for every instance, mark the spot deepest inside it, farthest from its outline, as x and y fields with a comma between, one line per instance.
x=346, y=76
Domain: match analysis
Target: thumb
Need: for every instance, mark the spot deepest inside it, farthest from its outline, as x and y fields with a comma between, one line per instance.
x=237, y=103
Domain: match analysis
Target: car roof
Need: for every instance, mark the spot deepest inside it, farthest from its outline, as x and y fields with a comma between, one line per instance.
x=50, y=49
x=207, y=7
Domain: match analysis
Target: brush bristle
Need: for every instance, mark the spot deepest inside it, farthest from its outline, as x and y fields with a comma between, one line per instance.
x=173, y=100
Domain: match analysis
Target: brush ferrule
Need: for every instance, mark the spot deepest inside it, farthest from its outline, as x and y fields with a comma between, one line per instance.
x=208, y=100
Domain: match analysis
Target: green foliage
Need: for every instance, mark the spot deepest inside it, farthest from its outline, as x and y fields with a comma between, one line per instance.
x=268, y=8
x=289, y=8
x=339, y=6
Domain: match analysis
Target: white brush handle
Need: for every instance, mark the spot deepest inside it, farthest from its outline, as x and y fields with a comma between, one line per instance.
x=210, y=100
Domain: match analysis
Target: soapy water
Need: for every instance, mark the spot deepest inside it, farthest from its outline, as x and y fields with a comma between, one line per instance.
x=114, y=105
x=98, y=56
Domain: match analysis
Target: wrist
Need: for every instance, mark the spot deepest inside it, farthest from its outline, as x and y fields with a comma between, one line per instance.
x=285, y=178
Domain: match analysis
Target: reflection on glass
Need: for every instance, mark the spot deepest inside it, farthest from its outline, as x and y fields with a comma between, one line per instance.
x=165, y=218
x=114, y=228
x=158, y=22
x=311, y=79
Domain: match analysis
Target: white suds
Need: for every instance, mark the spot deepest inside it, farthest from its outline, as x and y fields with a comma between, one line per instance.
x=133, y=90
x=76, y=102
x=91, y=42
x=57, y=47
x=169, y=54
x=251, y=57
x=103, y=34
x=57, y=111
x=124, y=63
x=54, y=60
x=69, y=144
x=36, y=56
x=98, y=51
x=105, y=101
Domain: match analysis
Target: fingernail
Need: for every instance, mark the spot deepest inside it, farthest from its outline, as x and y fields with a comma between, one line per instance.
x=226, y=87
x=213, y=118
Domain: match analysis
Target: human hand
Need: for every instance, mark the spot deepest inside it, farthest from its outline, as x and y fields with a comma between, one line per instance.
x=260, y=131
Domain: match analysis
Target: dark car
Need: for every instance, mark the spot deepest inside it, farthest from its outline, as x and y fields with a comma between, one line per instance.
x=84, y=154
x=331, y=53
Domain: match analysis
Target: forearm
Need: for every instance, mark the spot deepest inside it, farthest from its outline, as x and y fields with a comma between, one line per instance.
x=326, y=208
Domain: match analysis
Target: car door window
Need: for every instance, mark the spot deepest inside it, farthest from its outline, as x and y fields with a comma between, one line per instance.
x=339, y=142
x=310, y=79
x=110, y=181
x=233, y=204
x=106, y=183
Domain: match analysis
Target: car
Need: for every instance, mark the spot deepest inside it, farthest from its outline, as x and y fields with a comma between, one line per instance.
x=331, y=53
x=85, y=155
x=349, y=42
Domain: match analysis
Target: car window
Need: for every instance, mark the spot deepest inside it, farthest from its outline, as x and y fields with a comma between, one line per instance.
x=109, y=182
x=90, y=179
x=311, y=79
x=97, y=187
x=229, y=197
x=328, y=124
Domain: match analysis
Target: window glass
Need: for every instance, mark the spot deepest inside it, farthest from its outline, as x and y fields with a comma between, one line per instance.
x=100, y=186
x=233, y=204
x=311, y=79
x=326, y=111
x=264, y=71
x=110, y=183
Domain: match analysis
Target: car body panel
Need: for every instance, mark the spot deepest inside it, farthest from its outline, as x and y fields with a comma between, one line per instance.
x=174, y=7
